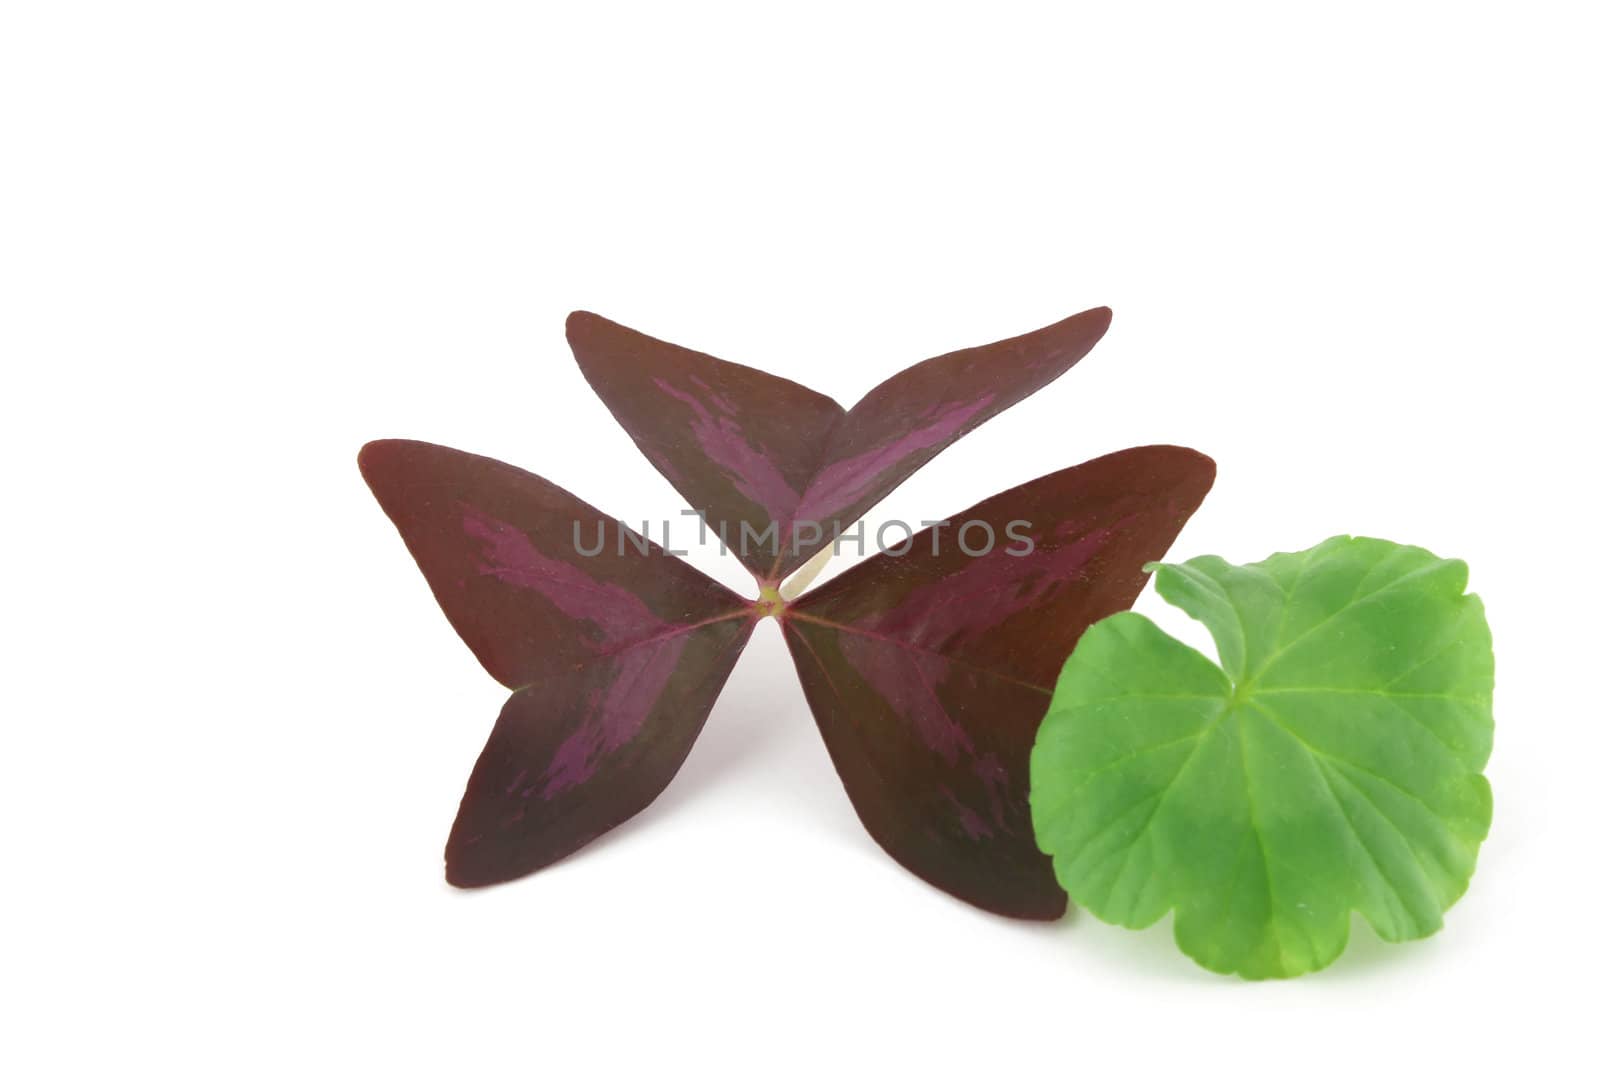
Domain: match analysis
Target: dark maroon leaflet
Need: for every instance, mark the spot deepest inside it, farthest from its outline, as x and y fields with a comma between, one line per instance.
x=576, y=755
x=738, y=443
x=756, y=452
x=616, y=658
x=928, y=672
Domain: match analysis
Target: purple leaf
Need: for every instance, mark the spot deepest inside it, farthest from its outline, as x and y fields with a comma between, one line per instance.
x=616, y=657
x=761, y=456
x=928, y=669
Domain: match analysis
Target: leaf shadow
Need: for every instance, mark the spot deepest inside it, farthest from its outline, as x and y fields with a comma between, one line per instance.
x=1150, y=953
x=1366, y=954
x=1153, y=953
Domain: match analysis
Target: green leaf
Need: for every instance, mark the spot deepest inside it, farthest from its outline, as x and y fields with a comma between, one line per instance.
x=1331, y=764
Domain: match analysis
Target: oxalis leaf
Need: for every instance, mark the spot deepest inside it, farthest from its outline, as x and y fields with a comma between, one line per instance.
x=1332, y=763
x=927, y=668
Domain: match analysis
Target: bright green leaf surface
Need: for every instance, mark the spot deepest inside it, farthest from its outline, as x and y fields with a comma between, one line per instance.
x=1332, y=763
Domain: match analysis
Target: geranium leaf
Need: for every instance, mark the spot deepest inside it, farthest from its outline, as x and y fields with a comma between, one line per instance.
x=760, y=455
x=615, y=658
x=1332, y=763
x=928, y=668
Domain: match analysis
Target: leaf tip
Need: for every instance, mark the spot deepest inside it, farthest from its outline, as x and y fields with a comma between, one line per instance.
x=377, y=456
x=479, y=853
x=580, y=321
x=464, y=874
x=1087, y=326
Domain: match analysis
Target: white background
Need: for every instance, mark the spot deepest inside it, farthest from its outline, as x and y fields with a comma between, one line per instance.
x=1351, y=249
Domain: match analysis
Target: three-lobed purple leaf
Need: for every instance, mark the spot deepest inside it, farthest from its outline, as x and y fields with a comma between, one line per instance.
x=927, y=668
